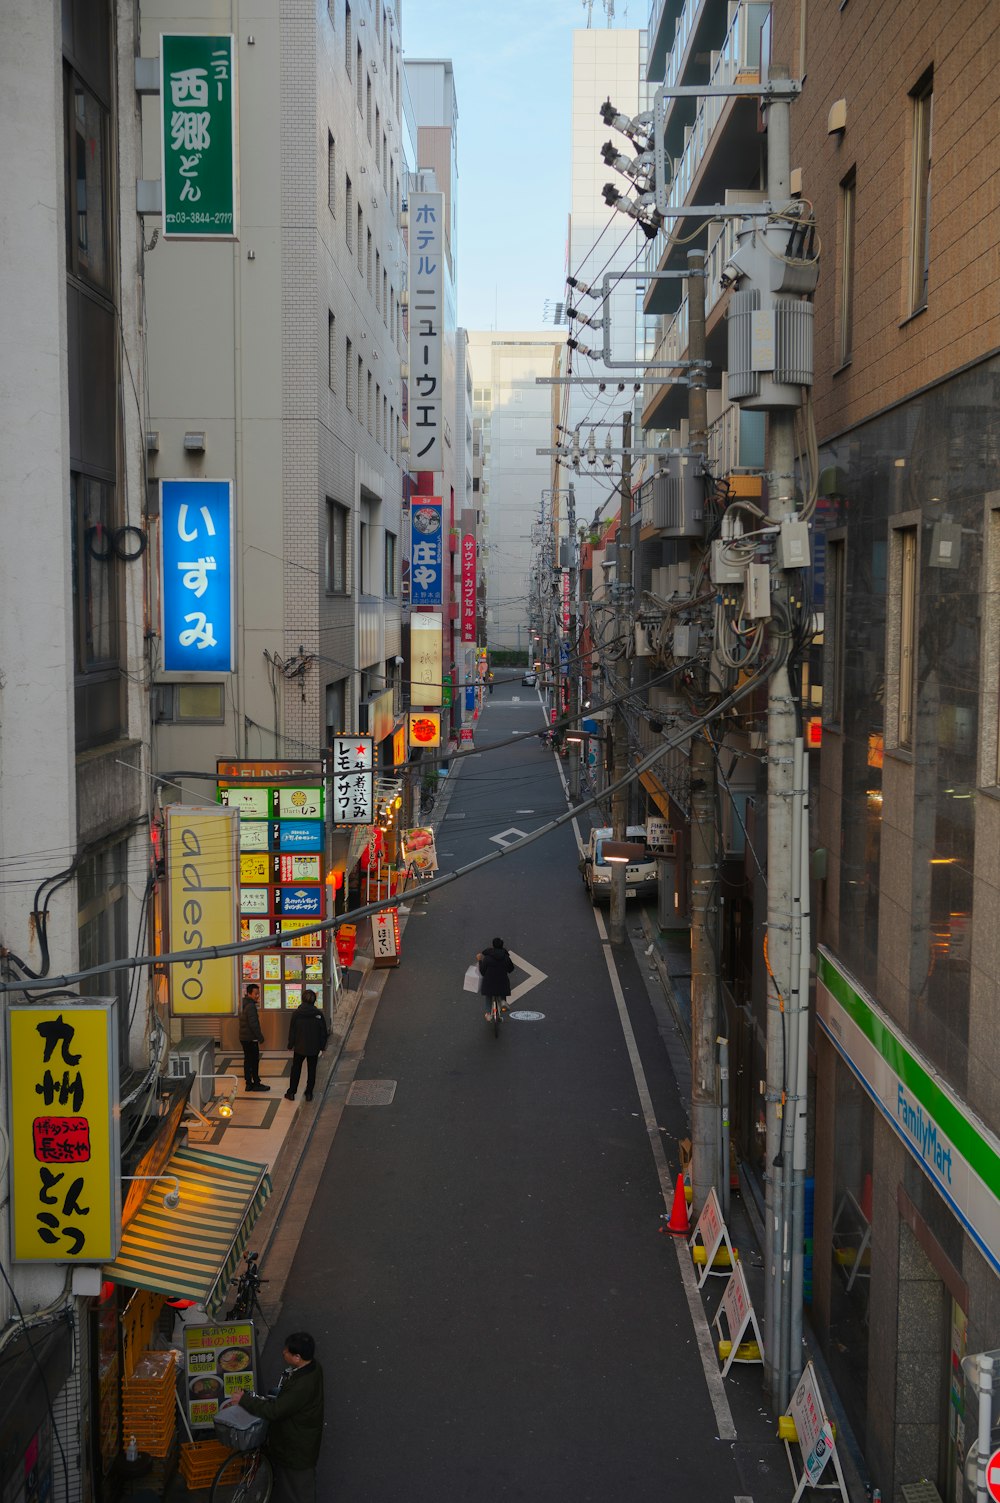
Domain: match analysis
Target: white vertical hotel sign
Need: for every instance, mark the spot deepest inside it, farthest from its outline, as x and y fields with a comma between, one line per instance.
x=956, y=1150
x=425, y=658
x=426, y=291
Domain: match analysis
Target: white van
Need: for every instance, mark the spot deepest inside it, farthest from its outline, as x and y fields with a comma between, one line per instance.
x=640, y=876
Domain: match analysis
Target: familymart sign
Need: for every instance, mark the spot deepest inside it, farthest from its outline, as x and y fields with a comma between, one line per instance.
x=955, y=1149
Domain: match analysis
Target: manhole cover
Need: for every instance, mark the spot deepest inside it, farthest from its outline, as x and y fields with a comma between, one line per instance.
x=371, y=1092
x=526, y=1017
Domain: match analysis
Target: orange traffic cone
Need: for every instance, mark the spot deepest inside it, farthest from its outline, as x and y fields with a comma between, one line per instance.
x=678, y=1224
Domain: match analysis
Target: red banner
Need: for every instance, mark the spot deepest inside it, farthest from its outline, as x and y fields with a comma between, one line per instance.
x=468, y=588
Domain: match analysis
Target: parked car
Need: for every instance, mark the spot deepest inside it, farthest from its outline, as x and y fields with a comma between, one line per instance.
x=529, y=678
x=640, y=876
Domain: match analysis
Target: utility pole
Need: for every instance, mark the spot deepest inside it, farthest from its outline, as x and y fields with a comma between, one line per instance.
x=788, y=937
x=623, y=587
x=573, y=666
x=705, y=1164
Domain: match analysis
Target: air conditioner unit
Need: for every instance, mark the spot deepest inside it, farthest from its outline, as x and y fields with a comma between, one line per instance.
x=195, y=1056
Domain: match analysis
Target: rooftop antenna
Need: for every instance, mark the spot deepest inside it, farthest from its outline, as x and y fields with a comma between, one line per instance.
x=609, y=6
x=588, y=6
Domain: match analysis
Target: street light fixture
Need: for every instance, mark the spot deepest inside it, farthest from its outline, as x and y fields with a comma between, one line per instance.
x=172, y=1198
x=622, y=851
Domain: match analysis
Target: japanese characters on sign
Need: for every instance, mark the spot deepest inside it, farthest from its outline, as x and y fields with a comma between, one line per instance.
x=198, y=126
x=218, y=1365
x=426, y=341
x=197, y=576
x=426, y=552
x=385, y=938
x=64, y=1132
x=468, y=588
x=282, y=847
x=426, y=658
x=203, y=890
x=352, y=780
x=425, y=728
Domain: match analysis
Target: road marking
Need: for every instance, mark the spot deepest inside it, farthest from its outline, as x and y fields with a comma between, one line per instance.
x=532, y=979
x=524, y=811
x=508, y=837
x=527, y=1017
x=703, y=1336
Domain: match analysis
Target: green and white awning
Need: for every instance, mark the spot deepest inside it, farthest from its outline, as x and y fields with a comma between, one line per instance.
x=191, y=1252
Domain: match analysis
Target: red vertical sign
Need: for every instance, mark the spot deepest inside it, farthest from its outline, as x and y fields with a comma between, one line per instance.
x=468, y=588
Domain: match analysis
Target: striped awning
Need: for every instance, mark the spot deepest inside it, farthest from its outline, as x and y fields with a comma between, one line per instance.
x=192, y=1251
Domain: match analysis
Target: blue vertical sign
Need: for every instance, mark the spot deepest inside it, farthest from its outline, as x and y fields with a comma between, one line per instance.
x=197, y=580
x=426, y=551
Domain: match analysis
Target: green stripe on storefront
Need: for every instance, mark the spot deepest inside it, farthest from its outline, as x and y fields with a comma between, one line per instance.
x=957, y=1127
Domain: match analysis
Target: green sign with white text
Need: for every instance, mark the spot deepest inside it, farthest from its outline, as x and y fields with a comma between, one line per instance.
x=198, y=125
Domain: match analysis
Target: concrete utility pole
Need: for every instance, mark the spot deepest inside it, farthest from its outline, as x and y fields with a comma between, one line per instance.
x=573, y=667
x=705, y=1165
x=623, y=587
x=788, y=937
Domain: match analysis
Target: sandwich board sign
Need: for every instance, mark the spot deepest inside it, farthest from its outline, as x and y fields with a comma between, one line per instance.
x=711, y=1229
x=814, y=1439
x=738, y=1312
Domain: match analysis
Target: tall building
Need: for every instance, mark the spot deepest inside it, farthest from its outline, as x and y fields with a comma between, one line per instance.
x=512, y=419
x=898, y=149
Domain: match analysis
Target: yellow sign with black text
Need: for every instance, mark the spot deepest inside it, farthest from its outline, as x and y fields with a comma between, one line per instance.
x=65, y=1186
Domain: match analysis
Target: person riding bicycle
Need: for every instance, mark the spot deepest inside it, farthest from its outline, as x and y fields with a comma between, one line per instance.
x=495, y=966
x=295, y=1420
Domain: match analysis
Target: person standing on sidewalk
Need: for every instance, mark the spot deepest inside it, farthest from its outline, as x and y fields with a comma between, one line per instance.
x=251, y=1037
x=307, y=1036
x=295, y=1421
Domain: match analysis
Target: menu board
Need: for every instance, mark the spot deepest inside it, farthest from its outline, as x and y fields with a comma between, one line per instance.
x=218, y=1364
x=282, y=869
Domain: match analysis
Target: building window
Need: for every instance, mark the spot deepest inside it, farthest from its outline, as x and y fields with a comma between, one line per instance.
x=360, y=82
x=378, y=282
x=385, y=298
x=371, y=406
x=97, y=593
x=848, y=210
x=331, y=172
x=385, y=423
x=348, y=210
x=920, y=240
x=364, y=531
x=901, y=654
x=833, y=630
x=336, y=708
x=348, y=374
x=368, y=106
x=102, y=920
x=195, y=704
x=390, y=564
x=369, y=261
x=378, y=413
x=331, y=350
x=361, y=390
x=337, y=518
x=348, y=39
x=87, y=218
x=361, y=242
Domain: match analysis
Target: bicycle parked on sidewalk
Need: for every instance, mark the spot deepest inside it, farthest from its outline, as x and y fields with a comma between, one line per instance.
x=247, y=1297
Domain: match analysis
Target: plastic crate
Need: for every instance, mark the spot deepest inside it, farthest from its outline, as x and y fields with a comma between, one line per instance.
x=200, y=1461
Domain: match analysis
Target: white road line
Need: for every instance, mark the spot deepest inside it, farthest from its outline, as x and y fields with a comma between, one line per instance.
x=703, y=1336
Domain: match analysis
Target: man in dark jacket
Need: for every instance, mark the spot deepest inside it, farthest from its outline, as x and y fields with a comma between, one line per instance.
x=495, y=966
x=307, y=1035
x=295, y=1421
x=251, y=1036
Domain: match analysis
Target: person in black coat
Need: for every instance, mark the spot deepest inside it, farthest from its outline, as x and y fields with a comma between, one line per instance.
x=307, y=1036
x=495, y=966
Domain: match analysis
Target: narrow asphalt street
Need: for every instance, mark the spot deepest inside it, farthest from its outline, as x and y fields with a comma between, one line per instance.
x=495, y=1310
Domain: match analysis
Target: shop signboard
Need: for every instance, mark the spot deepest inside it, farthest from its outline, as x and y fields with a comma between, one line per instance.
x=219, y=1364
x=419, y=849
x=425, y=728
x=197, y=576
x=956, y=1150
x=198, y=136
x=352, y=792
x=385, y=938
x=63, y=1131
x=426, y=660
x=203, y=901
x=282, y=843
x=427, y=315
x=468, y=587
x=426, y=552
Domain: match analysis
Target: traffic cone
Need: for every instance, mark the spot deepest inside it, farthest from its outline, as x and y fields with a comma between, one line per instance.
x=678, y=1224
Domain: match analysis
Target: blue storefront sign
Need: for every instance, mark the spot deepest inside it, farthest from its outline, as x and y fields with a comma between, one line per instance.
x=470, y=697
x=300, y=835
x=299, y=901
x=426, y=551
x=197, y=576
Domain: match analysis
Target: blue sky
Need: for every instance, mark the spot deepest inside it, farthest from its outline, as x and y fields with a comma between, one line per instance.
x=513, y=64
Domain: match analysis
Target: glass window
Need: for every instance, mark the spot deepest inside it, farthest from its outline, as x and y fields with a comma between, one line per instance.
x=390, y=564
x=96, y=573
x=833, y=629
x=348, y=40
x=86, y=186
x=336, y=547
x=906, y=565
x=331, y=350
x=331, y=172
x=920, y=239
x=348, y=210
x=348, y=374
x=848, y=205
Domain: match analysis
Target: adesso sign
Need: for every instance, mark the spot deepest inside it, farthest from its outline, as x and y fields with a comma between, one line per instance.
x=955, y=1149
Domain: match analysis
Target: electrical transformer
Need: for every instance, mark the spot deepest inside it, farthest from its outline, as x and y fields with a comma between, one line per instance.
x=770, y=320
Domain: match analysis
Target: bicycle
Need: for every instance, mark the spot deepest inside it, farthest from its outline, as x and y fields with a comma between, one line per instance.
x=248, y=1286
x=244, y=1477
x=495, y=1014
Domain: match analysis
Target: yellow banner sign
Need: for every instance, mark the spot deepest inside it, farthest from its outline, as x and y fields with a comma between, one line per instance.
x=203, y=900
x=64, y=1133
